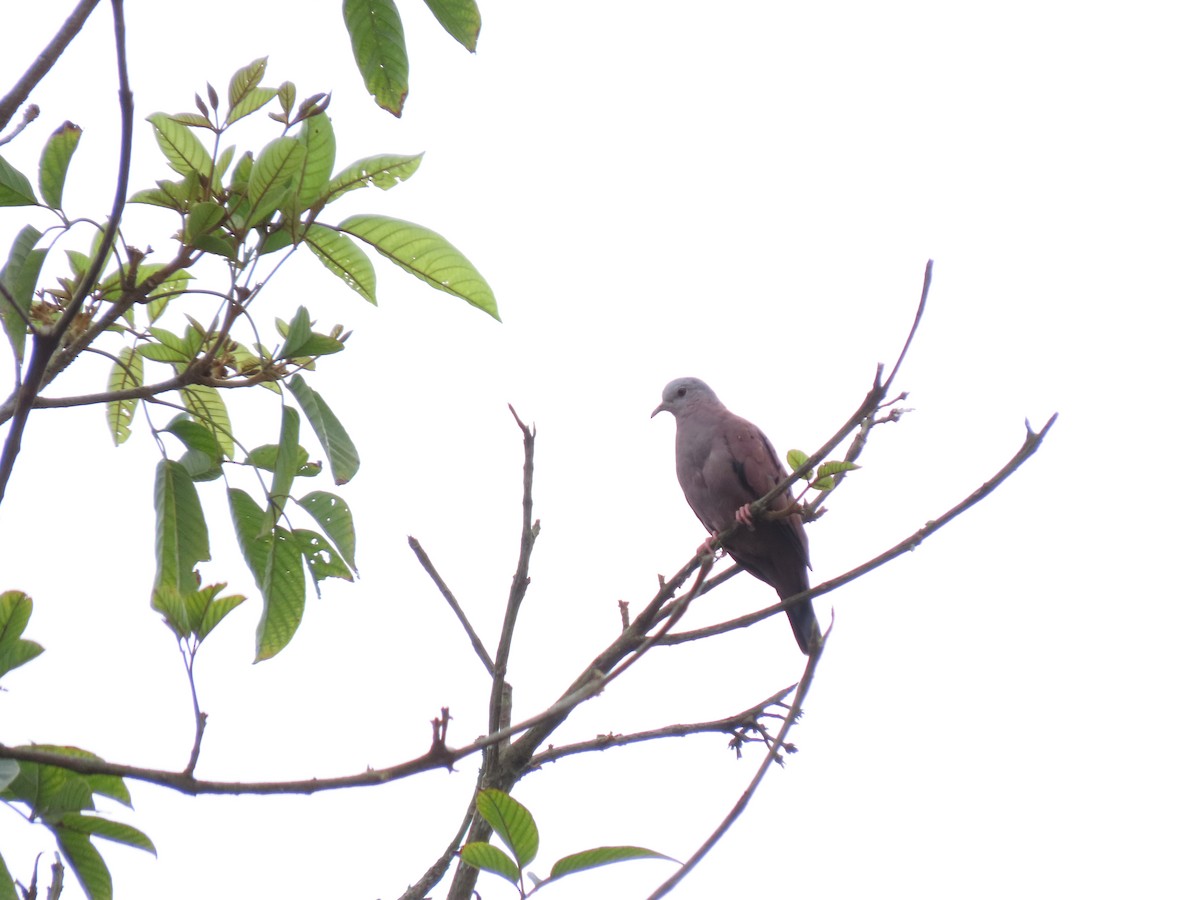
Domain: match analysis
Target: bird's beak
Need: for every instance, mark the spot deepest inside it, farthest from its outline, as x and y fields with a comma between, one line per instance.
x=657, y=410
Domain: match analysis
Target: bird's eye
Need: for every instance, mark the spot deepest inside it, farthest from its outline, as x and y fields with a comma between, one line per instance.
x=679, y=392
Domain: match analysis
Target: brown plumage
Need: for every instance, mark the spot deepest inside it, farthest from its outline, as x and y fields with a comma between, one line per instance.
x=724, y=463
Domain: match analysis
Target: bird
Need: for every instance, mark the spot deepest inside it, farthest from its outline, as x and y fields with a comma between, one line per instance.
x=724, y=464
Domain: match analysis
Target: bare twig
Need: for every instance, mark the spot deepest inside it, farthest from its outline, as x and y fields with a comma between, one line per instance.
x=747, y=718
x=494, y=772
x=420, y=889
x=31, y=113
x=772, y=755
x=427, y=565
x=887, y=385
x=45, y=60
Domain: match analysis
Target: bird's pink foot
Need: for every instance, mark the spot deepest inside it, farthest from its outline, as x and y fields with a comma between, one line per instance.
x=709, y=547
x=744, y=517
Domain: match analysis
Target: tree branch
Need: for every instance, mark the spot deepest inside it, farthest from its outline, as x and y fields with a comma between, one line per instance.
x=45, y=61
x=46, y=343
x=427, y=565
x=772, y=756
x=747, y=718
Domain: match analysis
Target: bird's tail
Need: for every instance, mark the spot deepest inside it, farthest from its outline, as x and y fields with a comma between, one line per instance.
x=804, y=624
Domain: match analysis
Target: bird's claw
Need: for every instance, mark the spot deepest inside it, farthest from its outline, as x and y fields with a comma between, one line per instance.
x=709, y=547
x=744, y=517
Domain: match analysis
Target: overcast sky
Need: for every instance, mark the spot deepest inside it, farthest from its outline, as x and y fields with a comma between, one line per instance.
x=748, y=195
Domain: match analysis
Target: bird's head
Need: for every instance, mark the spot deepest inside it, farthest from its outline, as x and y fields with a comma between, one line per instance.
x=684, y=394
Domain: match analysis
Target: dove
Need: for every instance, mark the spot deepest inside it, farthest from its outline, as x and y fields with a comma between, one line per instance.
x=725, y=463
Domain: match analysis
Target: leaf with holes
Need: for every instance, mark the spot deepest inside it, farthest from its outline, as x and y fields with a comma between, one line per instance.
x=377, y=40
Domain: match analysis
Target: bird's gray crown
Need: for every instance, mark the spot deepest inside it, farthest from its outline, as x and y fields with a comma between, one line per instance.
x=683, y=394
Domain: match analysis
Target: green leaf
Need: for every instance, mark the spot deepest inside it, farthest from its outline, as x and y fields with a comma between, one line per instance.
x=183, y=150
x=108, y=829
x=8, y=888
x=56, y=157
x=835, y=467
x=316, y=134
x=215, y=610
x=195, y=436
x=333, y=515
x=322, y=559
x=460, y=18
x=196, y=612
x=276, y=240
x=299, y=330
x=339, y=449
x=167, y=600
x=513, y=823
x=87, y=864
x=19, y=276
x=127, y=373
x=343, y=258
x=162, y=353
x=207, y=407
x=181, y=535
x=156, y=197
x=15, y=609
x=287, y=99
x=9, y=770
x=255, y=99
x=222, y=165
x=194, y=120
x=15, y=189
x=267, y=457
x=243, y=84
x=203, y=218
x=277, y=563
x=825, y=479
x=382, y=172
x=218, y=244
x=484, y=856
x=271, y=177
x=377, y=40
x=170, y=288
x=427, y=255
x=286, y=463
x=796, y=459
x=601, y=856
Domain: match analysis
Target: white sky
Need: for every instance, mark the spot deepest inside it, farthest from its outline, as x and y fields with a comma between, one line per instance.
x=658, y=189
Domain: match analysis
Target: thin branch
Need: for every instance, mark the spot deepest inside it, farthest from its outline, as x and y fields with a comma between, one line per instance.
x=420, y=889
x=46, y=343
x=11, y=301
x=427, y=565
x=520, y=583
x=188, y=377
x=189, y=662
x=1033, y=440
x=30, y=115
x=45, y=61
x=772, y=756
x=916, y=321
x=747, y=718
x=871, y=403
